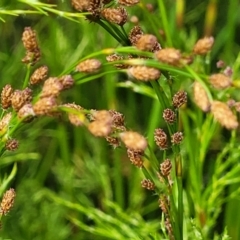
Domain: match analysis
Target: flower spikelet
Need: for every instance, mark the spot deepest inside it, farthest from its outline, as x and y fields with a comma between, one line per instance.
x=160, y=138
x=200, y=97
x=143, y=73
x=169, y=116
x=26, y=113
x=177, y=138
x=146, y=42
x=51, y=87
x=6, y=96
x=128, y=2
x=133, y=140
x=148, y=184
x=21, y=97
x=135, y=34
x=115, y=15
x=220, y=81
x=75, y=114
x=223, y=114
x=39, y=75
x=67, y=81
x=12, y=144
x=203, y=45
x=169, y=56
x=7, y=201
x=136, y=157
x=166, y=167
x=179, y=99
x=4, y=123
x=45, y=106
x=89, y=66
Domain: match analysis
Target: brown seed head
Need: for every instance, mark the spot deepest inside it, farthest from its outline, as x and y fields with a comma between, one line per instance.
x=45, y=106
x=128, y=2
x=177, y=138
x=169, y=228
x=117, y=118
x=115, y=57
x=99, y=128
x=169, y=116
x=143, y=73
x=113, y=141
x=115, y=15
x=164, y=204
x=19, y=98
x=146, y=42
x=7, y=201
x=169, y=56
x=179, y=99
x=12, y=144
x=86, y=5
x=223, y=114
x=89, y=66
x=26, y=113
x=136, y=157
x=220, y=81
x=6, y=96
x=4, y=123
x=102, y=116
x=135, y=34
x=133, y=140
x=29, y=39
x=39, y=75
x=32, y=57
x=51, y=87
x=67, y=81
x=75, y=114
x=148, y=184
x=200, y=97
x=166, y=167
x=160, y=138
x=203, y=45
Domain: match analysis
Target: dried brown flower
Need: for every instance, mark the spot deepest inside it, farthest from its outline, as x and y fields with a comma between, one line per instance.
x=143, y=73
x=86, y=5
x=99, y=128
x=75, y=114
x=67, y=81
x=146, y=42
x=45, y=106
x=177, y=138
x=169, y=116
x=148, y=184
x=223, y=114
x=115, y=15
x=4, y=123
x=26, y=113
x=51, y=87
x=169, y=56
x=29, y=39
x=200, y=97
x=166, y=167
x=39, y=75
x=89, y=66
x=7, y=201
x=203, y=45
x=136, y=157
x=133, y=140
x=160, y=138
x=179, y=99
x=135, y=34
x=6, y=96
x=220, y=81
x=117, y=118
x=21, y=97
x=169, y=228
x=128, y=2
x=12, y=144
x=164, y=203
x=32, y=57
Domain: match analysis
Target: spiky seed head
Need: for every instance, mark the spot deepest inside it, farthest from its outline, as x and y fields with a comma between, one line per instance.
x=148, y=184
x=136, y=157
x=161, y=139
x=45, y=106
x=51, y=87
x=177, y=138
x=128, y=2
x=179, y=99
x=200, y=97
x=220, y=81
x=7, y=201
x=223, y=114
x=143, y=73
x=133, y=140
x=146, y=42
x=6, y=96
x=12, y=144
x=203, y=45
x=169, y=116
x=115, y=15
x=67, y=81
x=169, y=56
x=39, y=75
x=89, y=66
x=135, y=34
x=165, y=167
